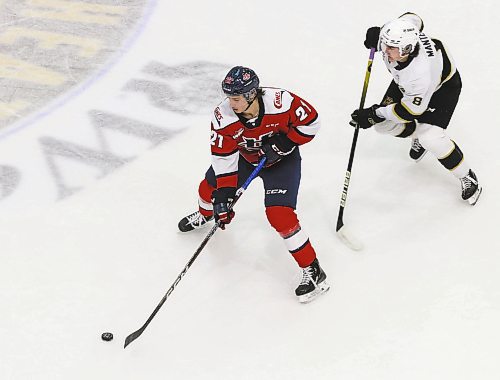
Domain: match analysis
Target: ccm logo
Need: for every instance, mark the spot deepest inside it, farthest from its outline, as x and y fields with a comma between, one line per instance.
x=277, y=100
x=276, y=191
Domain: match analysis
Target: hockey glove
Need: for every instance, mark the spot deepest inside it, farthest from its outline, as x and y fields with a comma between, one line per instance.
x=372, y=36
x=276, y=147
x=366, y=117
x=221, y=200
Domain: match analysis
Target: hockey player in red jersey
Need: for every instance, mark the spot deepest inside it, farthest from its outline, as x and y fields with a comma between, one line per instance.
x=251, y=122
x=422, y=97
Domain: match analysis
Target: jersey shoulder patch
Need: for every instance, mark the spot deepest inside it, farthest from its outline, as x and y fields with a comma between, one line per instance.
x=223, y=116
x=276, y=100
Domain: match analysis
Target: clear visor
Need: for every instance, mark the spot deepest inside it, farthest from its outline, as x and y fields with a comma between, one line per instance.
x=384, y=46
x=248, y=96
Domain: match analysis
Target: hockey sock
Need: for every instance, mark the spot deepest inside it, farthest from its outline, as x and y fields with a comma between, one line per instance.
x=205, y=198
x=454, y=161
x=435, y=140
x=285, y=222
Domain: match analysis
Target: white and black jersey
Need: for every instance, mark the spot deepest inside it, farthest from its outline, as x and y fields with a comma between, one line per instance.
x=426, y=70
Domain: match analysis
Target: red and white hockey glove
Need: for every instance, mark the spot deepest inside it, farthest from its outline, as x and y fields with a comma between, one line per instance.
x=221, y=200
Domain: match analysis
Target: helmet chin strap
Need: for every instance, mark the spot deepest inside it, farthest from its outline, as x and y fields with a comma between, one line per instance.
x=249, y=104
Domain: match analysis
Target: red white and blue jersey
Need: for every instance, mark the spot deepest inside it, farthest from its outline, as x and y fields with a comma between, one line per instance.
x=232, y=135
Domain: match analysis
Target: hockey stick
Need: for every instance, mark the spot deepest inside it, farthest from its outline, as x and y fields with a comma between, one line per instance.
x=344, y=234
x=137, y=334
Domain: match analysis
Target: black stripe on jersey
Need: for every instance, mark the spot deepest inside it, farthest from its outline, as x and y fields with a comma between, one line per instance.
x=446, y=72
x=392, y=95
x=224, y=154
x=302, y=133
x=403, y=113
x=296, y=129
x=313, y=120
x=226, y=175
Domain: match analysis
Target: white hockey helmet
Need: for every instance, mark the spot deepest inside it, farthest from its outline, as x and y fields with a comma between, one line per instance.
x=399, y=33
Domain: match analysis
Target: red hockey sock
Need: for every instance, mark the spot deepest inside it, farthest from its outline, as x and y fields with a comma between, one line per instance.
x=205, y=198
x=285, y=222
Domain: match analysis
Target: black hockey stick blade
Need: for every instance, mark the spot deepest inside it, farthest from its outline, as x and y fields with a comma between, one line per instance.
x=134, y=336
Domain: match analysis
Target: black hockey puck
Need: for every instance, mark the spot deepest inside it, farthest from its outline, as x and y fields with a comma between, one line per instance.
x=107, y=336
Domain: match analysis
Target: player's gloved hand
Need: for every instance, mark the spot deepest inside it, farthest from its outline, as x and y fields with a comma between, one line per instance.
x=372, y=36
x=366, y=117
x=276, y=147
x=221, y=199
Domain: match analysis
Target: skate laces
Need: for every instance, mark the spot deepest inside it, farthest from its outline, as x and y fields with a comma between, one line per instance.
x=196, y=219
x=467, y=182
x=307, y=275
x=415, y=145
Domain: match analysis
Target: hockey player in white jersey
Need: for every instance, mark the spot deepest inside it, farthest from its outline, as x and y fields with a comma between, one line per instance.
x=422, y=97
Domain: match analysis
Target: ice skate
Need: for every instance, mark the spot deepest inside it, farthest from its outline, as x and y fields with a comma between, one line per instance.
x=417, y=151
x=471, y=190
x=193, y=221
x=313, y=283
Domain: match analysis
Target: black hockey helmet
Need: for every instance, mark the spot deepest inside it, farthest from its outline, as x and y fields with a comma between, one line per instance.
x=241, y=81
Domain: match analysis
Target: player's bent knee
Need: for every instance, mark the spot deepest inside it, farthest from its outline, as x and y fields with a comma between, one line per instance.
x=426, y=131
x=435, y=140
x=389, y=127
x=282, y=218
x=205, y=191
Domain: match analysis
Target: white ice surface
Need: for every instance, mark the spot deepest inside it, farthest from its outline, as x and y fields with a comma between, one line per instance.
x=421, y=301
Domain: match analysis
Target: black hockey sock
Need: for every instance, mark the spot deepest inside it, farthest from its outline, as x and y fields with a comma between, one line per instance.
x=453, y=159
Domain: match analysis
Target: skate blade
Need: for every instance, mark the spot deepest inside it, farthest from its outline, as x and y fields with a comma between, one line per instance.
x=475, y=197
x=322, y=288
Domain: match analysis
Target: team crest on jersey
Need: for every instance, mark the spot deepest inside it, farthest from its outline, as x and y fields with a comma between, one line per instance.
x=277, y=100
x=253, y=144
x=388, y=100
